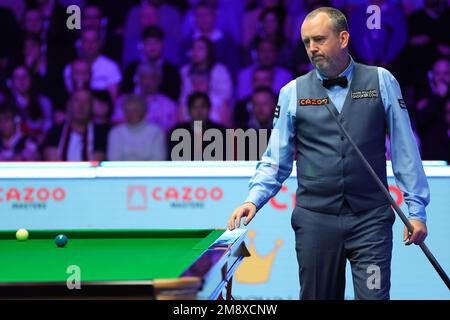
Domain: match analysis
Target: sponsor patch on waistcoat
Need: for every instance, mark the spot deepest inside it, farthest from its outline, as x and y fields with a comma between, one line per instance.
x=313, y=102
x=365, y=94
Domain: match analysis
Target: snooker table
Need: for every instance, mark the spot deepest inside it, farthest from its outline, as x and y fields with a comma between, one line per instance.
x=121, y=264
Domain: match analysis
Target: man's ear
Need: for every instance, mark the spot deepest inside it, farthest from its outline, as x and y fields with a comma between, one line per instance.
x=344, y=37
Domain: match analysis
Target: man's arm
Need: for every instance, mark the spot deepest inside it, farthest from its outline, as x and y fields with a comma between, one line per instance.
x=406, y=163
x=276, y=163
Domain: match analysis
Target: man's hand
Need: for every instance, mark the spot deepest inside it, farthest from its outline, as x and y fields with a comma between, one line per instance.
x=419, y=233
x=247, y=210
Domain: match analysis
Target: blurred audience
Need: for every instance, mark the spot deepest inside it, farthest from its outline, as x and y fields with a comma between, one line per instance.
x=105, y=73
x=203, y=74
x=225, y=49
x=168, y=63
x=151, y=52
x=266, y=56
x=14, y=144
x=34, y=109
x=194, y=147
x=431, y=113
x=136, y=139
x=78, y=138
x=162, y=111
x=262, y=77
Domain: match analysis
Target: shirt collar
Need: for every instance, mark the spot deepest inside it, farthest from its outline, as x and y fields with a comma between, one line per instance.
x=348, y=72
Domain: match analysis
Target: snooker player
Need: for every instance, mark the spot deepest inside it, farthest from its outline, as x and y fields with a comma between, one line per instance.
x=340, y=212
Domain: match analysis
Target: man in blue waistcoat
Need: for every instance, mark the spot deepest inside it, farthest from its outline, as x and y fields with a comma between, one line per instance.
x=340, y=212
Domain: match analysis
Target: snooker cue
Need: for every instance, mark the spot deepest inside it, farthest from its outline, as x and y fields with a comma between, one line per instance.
x=399, y=211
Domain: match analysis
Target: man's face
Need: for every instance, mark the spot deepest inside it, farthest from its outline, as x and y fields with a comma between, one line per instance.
x=90, y=44
x=263, y=107
x=199, y=52
x=134, y=112
x=262, y=78
x=441, y=72
x=80, y=107
x=205, y=19
x=322, y=44
x=267, y=54
x=21, y=80
x=153, y=48
x=270, y=24
x=81, y=74
x=32, y=21
x=199, y=110
x=92, y=17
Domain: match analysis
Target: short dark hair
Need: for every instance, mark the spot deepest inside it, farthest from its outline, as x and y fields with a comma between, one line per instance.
x=153, y=32
x=338, y=19
x=196, y=96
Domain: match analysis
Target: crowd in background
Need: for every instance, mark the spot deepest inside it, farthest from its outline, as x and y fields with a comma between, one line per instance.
x=136, y=71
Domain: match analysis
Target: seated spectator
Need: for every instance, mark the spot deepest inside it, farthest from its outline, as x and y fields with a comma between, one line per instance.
x=33, y=56
x=378, y=46
x=266, y=56
x=78, y=138
x=430, y=113
x=32, y=22
x=80, y=76
x=92, y=18
x=136, y=140
x=152, y=13
x=270, y=28
x=35, y=110
x=105, y=73
x=151, y=49
x=429, y=36
x=162, y=111
x=102, y=107
x=262, y=77
x=203, y=74
x=199, y=106
x=264, y=102
x=229, y=12
x=251, y=143
x=14, y=144
x=225, y=49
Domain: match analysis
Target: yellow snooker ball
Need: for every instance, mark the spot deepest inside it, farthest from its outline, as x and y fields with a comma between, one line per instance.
x=22, y=234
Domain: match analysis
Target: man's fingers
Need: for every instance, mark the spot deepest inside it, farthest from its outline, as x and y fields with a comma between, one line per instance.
x=249, y=217
x=405, y=234
x=413, y=238
x=232, y=219
x=239, y=216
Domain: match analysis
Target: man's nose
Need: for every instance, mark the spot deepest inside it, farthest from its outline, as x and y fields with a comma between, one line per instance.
x=313, y=47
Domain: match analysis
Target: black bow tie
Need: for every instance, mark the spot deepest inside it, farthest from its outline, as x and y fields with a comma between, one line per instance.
x=341, y=81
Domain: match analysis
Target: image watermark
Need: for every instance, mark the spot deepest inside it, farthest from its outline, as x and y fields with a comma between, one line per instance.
x=74, y=279
x=74, y=20
x=215, y=145
x=374, y=20
x=374, y=279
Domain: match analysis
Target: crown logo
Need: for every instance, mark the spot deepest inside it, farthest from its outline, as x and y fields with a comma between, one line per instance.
x=256, y=269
